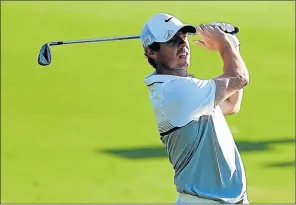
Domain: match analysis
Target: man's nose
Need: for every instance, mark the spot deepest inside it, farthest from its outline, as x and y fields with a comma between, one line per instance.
x=182, y=42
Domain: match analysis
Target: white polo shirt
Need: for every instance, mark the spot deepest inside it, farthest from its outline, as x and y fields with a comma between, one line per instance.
x=179, y=100
x=197, y=138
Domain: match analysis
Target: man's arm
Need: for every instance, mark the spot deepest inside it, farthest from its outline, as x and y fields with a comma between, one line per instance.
x=232, y=104
x=230, y=84
x=235, y=74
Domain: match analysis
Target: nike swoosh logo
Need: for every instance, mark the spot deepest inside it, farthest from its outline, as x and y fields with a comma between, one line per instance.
x=167, y=20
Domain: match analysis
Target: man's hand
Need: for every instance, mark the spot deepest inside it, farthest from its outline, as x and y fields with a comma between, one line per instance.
x=234, y=40
x=215, y=38
x=231, y=31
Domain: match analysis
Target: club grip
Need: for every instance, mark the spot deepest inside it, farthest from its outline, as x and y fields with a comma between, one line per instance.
x=56, y=43
x=236, y=30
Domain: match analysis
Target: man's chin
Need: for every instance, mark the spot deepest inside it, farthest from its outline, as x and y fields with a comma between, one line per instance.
x=186, y=66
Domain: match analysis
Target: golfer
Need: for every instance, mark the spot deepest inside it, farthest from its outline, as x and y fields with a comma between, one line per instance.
x=190, y=111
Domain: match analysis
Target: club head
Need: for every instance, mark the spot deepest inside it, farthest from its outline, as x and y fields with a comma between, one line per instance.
x=44, y=57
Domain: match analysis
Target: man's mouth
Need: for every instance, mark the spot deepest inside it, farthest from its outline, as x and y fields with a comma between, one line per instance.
x=183, y=54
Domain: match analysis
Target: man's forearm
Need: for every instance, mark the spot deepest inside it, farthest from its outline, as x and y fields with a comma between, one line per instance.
x=234, y=64
x=236, y=98
x=232, y=104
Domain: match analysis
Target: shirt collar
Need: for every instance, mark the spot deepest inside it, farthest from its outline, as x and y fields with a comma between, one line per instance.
x=157, y=78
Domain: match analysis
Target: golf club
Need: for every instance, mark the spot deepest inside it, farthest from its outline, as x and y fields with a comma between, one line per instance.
x=44, y=57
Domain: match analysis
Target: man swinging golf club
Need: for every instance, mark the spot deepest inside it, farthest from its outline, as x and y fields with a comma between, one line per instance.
x=190, y=111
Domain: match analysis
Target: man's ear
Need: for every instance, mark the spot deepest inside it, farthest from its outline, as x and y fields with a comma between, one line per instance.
x=150, y=53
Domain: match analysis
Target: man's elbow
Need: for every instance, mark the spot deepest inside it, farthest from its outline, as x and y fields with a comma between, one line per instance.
x=245, y=80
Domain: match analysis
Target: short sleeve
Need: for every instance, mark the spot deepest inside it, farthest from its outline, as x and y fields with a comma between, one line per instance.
x=187, y=99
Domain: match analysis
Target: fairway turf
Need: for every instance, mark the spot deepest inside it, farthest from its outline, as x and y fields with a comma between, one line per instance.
x=82, y=130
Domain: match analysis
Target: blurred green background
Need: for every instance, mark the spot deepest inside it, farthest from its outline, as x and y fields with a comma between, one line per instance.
x=82, y=130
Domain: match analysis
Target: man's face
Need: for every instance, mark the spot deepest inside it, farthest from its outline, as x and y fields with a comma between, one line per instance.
x=175, y=53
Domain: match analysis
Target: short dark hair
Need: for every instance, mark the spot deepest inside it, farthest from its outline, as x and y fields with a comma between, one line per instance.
x=155, y=47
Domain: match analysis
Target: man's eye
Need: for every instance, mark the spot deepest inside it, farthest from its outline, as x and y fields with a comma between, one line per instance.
x=184, y=35
x=173, y=40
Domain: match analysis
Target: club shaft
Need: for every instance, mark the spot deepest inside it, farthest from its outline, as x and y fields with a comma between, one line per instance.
x=56, y=43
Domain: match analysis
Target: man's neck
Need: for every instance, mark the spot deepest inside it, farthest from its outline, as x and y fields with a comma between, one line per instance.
x=168, y=71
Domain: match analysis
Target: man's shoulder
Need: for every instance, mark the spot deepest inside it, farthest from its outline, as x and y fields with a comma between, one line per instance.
x=187, y=86
x=154, y=78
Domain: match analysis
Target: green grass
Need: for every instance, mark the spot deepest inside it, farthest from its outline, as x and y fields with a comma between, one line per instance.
x=57, y=122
